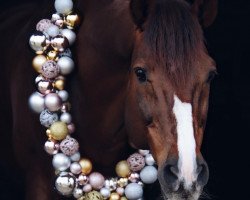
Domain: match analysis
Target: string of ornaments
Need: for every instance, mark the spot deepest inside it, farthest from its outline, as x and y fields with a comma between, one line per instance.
x=75, y=175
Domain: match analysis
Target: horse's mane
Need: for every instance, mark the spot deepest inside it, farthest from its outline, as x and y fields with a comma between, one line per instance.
x=175, y=36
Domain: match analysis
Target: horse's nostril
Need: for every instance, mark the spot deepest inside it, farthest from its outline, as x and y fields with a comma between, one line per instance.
x=171, y=176
x=203, y=174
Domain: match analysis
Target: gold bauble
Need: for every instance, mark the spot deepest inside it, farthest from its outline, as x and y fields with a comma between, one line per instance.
x=38, y=62
x=123, y=198
x=122, y=169
x=52, y=55
x=72, y=21
x=93, y=195
x=59, y=84
x=81, y=198
x=59, y=130
x=114, y=196
x=86, y=166
x=122, y=182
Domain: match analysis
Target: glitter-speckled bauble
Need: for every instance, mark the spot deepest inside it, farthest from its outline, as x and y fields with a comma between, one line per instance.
x=51, y=147
x=36, y=102
x=61, y=162
x=47, y=118
x=105, y=193
x=136, y=162
x=58, y=130
x=44, y=87
x=38, y=62
x=72, y=21
x=50, y=69
x=66, y=65
x=77, y=193
x=43, y=25
x=93, y=195
x=69, y=146
x=86, y=166
x=148, y=174
x=38, y=42
x=149, y=159
x=59, y=43
x=133, y=191
x=114, y=196
x=65, y=183
x=122, y=169
x=64, y=7
x=96, y=180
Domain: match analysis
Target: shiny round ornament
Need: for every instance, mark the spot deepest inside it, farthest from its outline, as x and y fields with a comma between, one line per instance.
x=111, y=184
x=52, y=55
x=50, y=69
x=72, y=21
x=44, y=87
x=136, y=162
x=69, y=146
x=149, y=159
x=53, y=102
x=61, y=162
x=38, y=42
x=122, y=169
x=71, y=128
x=96, y=180
x=133, y=191
x=75, y=157
x=56, y=17
x=36, y=102
x=120, y=191
x=51, y=147
x=122, y=182
x=59, y=83
x=65, y=183
x=87, y=188
x=123, y=198
x=53, y=31
x=39, y=78
x=75, y=168
x=64, y=95
x=66, y=117
x=47, y=118
x=93, y=195
x=86, y=166
x=38, y=62
x=83, y=180
x=70, y=35
x=66, y=53
x=134, y=177
x=114, y=196
x=143, y=152
x=65, y=107
x=58, y=130
x=63, y=7
x=148, y=174
x=59, y=43
x=77, y=193
x=43, y=25
x=105, y=193
x=66, y=65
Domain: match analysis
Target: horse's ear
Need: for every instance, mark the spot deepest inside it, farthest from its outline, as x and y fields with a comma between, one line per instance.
x=139, y=11
x=205, y=10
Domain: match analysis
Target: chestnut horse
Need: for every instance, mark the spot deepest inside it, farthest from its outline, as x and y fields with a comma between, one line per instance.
x=142, y=81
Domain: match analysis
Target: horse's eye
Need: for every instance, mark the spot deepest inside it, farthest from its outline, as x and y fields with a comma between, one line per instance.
x=141, y=74
x=211, y=76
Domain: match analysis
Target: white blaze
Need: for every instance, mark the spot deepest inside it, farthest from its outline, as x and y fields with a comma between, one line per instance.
x=186, y=142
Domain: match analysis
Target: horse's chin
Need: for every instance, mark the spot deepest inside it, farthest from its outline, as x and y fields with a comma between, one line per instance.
x=181, y=196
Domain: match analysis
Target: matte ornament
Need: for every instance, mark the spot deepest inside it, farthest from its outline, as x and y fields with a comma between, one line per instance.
x=87, y=188
x=36, y=102
x=38, y=62
x=136, y=162
x=93, y=195
x=122, y=169
x=77, y=193
x=50, y=69
x=61, y=162
x=96, y=180
x=65, y=183
x=149, y=159
x=86, y=166
x=58, y=130
x=47, y=118
x=52, y=102
x=133, y=191
x=114, y=196
x=105, y=193
x=63, y=7
x=148, y=175
x=69, y=146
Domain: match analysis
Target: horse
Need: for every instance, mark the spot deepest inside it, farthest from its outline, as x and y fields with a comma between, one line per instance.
x=142, y=81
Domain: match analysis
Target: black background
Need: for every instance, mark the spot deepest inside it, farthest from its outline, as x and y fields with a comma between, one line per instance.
x=226, y=145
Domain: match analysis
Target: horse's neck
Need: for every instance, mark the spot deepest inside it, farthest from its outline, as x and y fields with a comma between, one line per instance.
x=103, y=52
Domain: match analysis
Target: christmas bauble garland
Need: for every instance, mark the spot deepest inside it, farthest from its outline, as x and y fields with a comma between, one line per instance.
x=75, y=175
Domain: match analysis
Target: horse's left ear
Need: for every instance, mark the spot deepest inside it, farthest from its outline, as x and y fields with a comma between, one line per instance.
x=205, y=10
x=139, y=10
